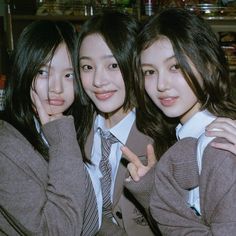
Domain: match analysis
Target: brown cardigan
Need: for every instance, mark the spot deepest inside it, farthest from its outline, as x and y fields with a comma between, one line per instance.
x=39, y=197
x=177, y=172
x=126, y=210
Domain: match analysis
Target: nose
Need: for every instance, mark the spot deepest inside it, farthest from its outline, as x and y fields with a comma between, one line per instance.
x=55, y=84
x=100, y=78
x=163, y=82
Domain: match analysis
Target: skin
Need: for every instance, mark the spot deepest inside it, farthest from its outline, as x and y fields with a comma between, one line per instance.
x=168, y=89
x=228, y=131
x=102, y=79
x=52, y=90
x=164, y=82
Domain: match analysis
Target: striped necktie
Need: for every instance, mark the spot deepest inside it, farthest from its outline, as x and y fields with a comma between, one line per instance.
x=90, y=223
x=107, y=139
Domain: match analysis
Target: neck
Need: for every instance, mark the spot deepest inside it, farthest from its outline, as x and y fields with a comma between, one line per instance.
x=111, y=119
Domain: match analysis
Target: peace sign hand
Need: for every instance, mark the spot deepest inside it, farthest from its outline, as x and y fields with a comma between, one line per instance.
x=136, y=168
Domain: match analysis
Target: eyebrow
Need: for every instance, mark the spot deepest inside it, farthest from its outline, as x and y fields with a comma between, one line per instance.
x=52, y=68
x=103, y=57
x=170, y=58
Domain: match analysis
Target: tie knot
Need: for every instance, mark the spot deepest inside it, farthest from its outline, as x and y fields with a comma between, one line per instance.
x=107, y=136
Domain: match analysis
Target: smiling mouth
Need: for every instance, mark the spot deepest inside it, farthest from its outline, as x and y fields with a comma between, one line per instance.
x=168, y=101
x=105, y=95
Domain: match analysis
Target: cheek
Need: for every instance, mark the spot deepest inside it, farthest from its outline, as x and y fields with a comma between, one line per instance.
x=191, y=97
x=85, y=81
x=149, y=86
x=41, y=87
x=116, y=79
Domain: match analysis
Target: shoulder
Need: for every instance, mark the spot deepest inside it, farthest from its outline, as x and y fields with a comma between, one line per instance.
x=9, y=134
x=218, y=159
x=181, y=151
x=139, y=136
x=138, y=141
x=15, y=147
x=179, y=162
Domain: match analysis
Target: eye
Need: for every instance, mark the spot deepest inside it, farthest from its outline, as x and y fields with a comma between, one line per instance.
x=113, y=66
x=175, y=67
x=86, y=68
x=42, y=73
x=148, y=72
x=70, y=76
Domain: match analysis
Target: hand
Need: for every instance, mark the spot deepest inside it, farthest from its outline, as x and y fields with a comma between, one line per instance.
x=226, y=128
x=43, y=115
x=135, y=166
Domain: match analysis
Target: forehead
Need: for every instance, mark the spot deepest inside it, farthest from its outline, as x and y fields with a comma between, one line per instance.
x=159, y=49
x=94, y=43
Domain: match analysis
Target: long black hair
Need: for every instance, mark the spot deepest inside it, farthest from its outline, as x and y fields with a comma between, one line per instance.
x=35, y=48
x=119, y=31
x=194, y=43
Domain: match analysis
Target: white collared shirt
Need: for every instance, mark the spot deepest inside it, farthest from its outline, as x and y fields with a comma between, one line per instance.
x=38, y=128
x=195, y=127
x=121, y=132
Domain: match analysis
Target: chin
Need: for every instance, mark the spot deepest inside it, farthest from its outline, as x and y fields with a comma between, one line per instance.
x=172, y=115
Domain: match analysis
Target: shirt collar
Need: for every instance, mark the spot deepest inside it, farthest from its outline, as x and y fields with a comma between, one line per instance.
x=38, y=128
x=121, y=129
x=195, y=126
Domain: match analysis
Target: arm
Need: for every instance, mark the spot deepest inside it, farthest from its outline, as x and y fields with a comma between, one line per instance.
x=41, y=198
x=226, y=129
x=45, y=199
x=217, y=191
x=218, y=184
x=176, y=173
x=141, y=179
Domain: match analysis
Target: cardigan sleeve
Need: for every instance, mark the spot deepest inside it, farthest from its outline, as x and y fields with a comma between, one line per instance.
x=41, y=198
x=217, y=192
x=176, y=173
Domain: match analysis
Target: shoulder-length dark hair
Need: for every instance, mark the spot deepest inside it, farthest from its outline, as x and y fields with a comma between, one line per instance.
x=194, y=43
x=119, y=30
x=35, y=48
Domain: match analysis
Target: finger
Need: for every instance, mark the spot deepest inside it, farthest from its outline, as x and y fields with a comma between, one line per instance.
x=231, y=137
x=133, y=172
x=222, y=123
x=151, y=156
x=131, y=157
x=56, y=116
x=43, y=116
x=221, y=126
x=224, y=146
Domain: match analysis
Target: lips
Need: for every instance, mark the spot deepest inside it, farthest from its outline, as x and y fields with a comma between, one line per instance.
x=56, y=102
x=104, y=95
x=167, y=101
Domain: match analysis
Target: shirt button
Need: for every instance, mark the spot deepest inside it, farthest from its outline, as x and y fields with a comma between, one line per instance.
x=119, y=214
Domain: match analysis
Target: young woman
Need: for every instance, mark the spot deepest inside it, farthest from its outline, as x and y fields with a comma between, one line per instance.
x=106, y=45
x=186, y=77
x=44, y=187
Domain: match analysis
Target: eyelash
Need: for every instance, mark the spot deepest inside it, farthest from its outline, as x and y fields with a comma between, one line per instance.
x=86, y=67
x=148, y=72
x=70, y=75
x=43, y=73
x=175, y=67
x=112, y=66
